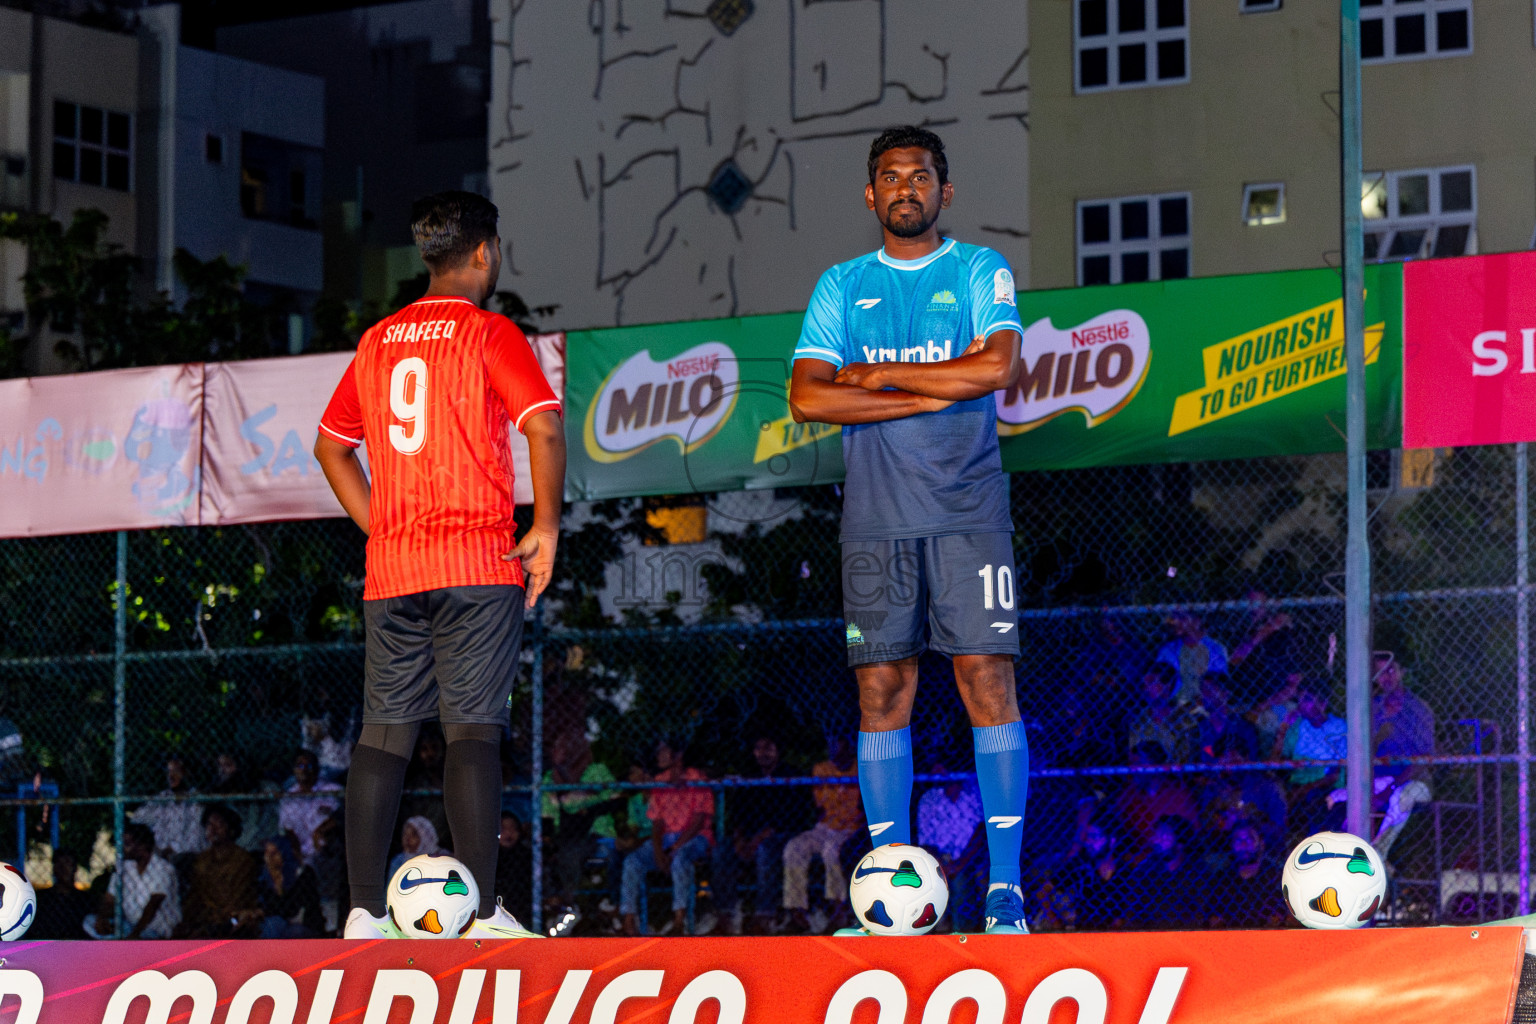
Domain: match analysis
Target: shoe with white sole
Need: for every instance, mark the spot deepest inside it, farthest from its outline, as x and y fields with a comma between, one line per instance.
x=363, y=925
x=1005, y=910
x=500, y=925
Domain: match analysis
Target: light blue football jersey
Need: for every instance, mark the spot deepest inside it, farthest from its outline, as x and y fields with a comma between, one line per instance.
x=931, y=474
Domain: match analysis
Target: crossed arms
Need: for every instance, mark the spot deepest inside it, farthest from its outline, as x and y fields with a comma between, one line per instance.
x=874, y=392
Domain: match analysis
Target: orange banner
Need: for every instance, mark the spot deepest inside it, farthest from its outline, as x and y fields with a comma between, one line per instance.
x=1404, y=976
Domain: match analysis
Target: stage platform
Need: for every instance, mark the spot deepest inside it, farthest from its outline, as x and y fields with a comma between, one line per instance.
x=1403, y=976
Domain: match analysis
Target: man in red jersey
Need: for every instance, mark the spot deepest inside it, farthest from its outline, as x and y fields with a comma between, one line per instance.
x=433, y=390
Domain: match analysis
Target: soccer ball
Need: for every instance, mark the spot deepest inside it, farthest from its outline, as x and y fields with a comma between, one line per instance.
x=433, y=896
x=898, y=890
x=18, y=903
x=1333, y=880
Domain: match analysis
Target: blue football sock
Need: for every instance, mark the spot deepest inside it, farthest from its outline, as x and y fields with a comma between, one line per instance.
x=1002, y=773
x=885, y=781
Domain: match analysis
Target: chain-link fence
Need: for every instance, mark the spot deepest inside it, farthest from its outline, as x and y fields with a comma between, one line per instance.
x=175, y=668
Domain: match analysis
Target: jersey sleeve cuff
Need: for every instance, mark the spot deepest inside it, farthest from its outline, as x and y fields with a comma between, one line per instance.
x=1002, y=325
x=553, y=403
x=828, y=355
x=350, y=442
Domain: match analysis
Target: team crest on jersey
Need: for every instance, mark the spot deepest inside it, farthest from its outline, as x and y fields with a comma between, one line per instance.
x=1002, y=287
x=855, y=635
x=941, y=300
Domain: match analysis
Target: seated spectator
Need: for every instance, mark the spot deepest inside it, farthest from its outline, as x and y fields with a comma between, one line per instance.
x=1402, y=726
x=289, y=894
x=62, y=906
x=1149, y=797
x=1221, y=736
x=1267, y=655
x=1191, y=654
x=307, y=804
x=260, y=816
x=1167, y=889
x=151, y=892
x=1310, y=733
x=176, y=821
x=418, y=837
x=839, y=816
x=1271, y=712
x=579, y=822
x=221, y=885
x=949, y=826
x=1161, y=721
x=1097, y=881
x=759, y=822
x=335, y=753
x=514, y=868
x=1228, y=800
x=425, y=772
x=681, y=817
x=331, y=868
x=1245, y=890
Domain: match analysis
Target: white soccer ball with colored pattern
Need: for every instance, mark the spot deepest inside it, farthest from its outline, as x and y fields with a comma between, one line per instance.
x=433, y=896
x=18, y=903
x=1333, y=880
x=898, y=890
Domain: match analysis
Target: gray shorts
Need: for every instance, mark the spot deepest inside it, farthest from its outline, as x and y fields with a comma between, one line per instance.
x=962, y=588
x=449, y=654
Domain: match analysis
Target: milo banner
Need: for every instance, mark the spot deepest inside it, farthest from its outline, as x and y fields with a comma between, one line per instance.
x=1211, y=368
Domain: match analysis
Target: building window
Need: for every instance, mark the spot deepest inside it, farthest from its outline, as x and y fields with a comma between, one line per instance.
x=92, y=146
x=1255, y=6
x=1130, y=44
x=1138, y=238
x=278, y=180
x=213, y=148
x=1393, y=30
x=1425, y=212
x=1264, y=204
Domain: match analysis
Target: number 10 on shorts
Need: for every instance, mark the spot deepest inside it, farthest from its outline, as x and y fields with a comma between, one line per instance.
x=1002, y=589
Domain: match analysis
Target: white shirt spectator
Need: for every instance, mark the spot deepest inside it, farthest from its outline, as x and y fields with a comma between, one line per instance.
x=177, y=823
x=945, y=826
x=139, y=887
x=302, y=813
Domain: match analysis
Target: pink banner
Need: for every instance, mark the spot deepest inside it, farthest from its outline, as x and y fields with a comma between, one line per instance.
x=200, y=444
x=100, y=451
x=1469, y=351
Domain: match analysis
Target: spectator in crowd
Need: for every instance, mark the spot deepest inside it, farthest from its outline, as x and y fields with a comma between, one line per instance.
x=176, y=821
x=949, y=826
x=425, y=772
x=151, y=892
x=839, y=815
x=1310, y=733
x=1403, y=726
x=1098, y=881
x=221, y=885
x=759, y=821
x=62, y=906
x=1271, y=712
x=579, y=822
x=1151, y=796
x=289, y=894
x=260, y=816
x=1191, y=653
x=307, y=804
x=681, y=818
x=1242, y=796
x=1108, y=668
x=330, y=866
x=1245, y=892
x=418, y=838
x=1168, y=888
x=1073, y=736
x=335, y=755
x=1267, y=655
x=514, y=868
x=1221, y=735
x=1162, y=721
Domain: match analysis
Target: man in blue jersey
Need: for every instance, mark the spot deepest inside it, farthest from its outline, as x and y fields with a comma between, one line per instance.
x=904, y=347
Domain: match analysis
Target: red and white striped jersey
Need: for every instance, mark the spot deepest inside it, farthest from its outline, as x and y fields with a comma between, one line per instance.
x=432, y=390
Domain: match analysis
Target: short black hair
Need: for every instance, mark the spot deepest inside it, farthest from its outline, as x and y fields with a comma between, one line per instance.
x=140, y=833
x=231, y=817
x=909, y=136
x=448, y=226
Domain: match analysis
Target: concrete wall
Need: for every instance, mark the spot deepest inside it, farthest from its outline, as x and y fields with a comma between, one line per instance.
x=609, y=121
x=1257, y=109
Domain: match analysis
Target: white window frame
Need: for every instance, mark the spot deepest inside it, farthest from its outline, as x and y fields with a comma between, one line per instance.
x=1430, y=223
x=1386, y=13
x=1114, y=39
x=1153, y=245
x=1259, y=186
x=1257, y=6
x=105, y=148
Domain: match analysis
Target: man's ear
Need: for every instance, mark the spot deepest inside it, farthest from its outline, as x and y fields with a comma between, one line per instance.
x=869, y=195
x=946, y=195
x=485, y=254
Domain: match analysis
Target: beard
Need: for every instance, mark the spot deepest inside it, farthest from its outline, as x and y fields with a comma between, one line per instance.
x=908, y=220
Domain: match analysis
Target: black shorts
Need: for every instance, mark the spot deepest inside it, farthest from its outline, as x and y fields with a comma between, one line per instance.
x=955, y=594
x=449, y=654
